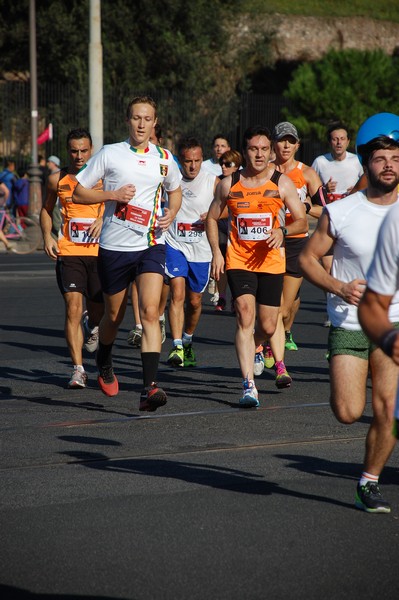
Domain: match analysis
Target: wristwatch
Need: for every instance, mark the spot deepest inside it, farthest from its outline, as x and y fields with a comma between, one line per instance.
x=284, y=230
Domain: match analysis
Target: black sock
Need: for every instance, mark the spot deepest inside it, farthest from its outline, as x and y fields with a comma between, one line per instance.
x=104, y=355
x=150, y=362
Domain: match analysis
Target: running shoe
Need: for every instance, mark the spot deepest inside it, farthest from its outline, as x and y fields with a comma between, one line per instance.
x=259, y=365
x=91, y=336
x=211, y=286
x=215, y=298
x=162, y=324
x=107, y=381
x=283, y=380
x=134, y=337
x=78, y=379
x=189, y=356
x=176, y=356
x=249, y=398
x=369, y=498
x=91, y=342
x=268, y=357
x=151, y=398
x=289, y=342
x=221, y=304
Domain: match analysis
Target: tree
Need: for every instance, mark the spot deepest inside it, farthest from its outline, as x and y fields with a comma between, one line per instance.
x=349, y=86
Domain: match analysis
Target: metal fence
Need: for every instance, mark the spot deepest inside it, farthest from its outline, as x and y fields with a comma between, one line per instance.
x=178, y=114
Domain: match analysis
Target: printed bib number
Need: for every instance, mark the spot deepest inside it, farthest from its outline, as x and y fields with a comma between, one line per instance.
x=78, y=231
x=132, y=216
x=190, y=233
x=253, y=227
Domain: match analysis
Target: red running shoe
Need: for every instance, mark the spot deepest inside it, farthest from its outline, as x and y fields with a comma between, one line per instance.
x=107, y=381
x=152, y=397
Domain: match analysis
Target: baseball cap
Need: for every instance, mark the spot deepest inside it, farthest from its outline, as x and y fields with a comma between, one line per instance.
x=54, y=159
x=283, y=129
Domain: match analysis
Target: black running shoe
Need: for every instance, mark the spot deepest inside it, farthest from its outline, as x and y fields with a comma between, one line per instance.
x=369, y=498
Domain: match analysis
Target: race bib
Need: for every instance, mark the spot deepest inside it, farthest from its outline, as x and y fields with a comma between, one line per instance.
x=253, y=227
x=132, y=216
x=78, y=229
x=190, y=233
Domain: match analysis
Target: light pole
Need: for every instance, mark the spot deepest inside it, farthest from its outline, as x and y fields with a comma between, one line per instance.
x=96, y=76
x=35, y=190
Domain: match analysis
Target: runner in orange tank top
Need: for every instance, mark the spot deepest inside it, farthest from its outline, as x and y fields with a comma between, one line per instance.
x=286, y=144
x=256, y=198
x=76, y=253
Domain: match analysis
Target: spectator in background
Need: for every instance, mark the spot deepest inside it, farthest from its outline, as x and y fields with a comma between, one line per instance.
x=8, y=176
x=21, y=193
x=220, y=144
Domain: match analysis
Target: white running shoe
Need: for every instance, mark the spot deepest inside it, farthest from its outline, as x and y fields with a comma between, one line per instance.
x=162, y=323
x=249, y=398
x=259, y=363
x=91, y=336
x=134, y=337
x=78, y=379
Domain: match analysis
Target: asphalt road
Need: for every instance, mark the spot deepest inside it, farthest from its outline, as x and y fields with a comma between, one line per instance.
x=200, y=500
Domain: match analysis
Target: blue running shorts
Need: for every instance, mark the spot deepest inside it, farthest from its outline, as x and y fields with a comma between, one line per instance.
x=195, y=273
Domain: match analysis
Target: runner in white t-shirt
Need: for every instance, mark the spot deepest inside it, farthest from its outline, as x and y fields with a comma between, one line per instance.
x=352, y=225
x=132, y=242
x=188, y=253
x=339, y=171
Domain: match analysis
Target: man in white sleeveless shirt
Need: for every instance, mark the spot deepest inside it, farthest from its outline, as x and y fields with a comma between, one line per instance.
x=188, y=254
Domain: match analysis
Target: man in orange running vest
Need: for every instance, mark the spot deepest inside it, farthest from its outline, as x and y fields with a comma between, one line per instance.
x=76, y=253
x=256, y=198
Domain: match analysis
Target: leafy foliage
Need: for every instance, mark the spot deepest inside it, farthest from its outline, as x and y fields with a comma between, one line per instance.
x=349, y=86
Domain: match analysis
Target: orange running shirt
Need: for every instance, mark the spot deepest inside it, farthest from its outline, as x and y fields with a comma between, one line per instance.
x=253, y=212
x=76, y=218
x=296, y=175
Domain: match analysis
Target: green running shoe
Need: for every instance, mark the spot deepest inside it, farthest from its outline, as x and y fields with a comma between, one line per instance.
x=176, y=356
x=189, y=356
x=289, y=342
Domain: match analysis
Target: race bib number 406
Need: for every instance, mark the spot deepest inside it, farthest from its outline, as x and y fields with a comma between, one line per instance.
x=253, y=227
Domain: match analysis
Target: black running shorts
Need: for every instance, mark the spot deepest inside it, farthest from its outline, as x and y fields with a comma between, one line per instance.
x=79, y=274
x=266, y=287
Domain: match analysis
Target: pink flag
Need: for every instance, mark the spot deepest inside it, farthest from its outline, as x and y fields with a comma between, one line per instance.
x=46, y=135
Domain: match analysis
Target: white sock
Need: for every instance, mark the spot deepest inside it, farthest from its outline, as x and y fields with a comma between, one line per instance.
x=368, y=477
x=187, y=339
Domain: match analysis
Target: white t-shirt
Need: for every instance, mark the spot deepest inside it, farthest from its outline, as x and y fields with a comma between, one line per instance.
x=354, y=223
x=132, y=226
x=187, y=232
x=212, y=167
x=346, y=172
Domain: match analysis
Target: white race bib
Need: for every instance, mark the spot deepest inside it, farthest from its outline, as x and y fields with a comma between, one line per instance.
x=190, y=233
x=78, y=231
x=253, y=227
x=132, y=216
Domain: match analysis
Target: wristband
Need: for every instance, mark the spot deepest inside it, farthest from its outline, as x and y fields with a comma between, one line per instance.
x=388, y=340
x=307, y=207
x=284, y=230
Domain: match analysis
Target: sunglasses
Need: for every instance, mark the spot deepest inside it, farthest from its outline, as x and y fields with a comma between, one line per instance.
x=228, y=164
